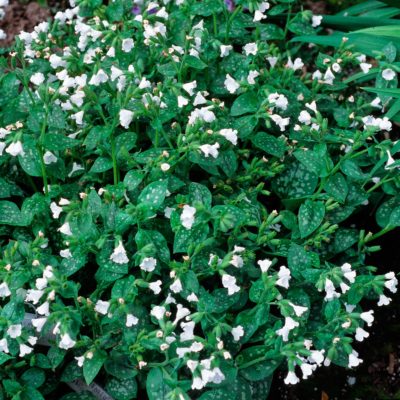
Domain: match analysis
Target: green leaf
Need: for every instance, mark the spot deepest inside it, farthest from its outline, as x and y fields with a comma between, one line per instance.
x=310, y=159
x=395, y=217
x=92, y=366
x=206, y=8
x=156, y=386
x=270, y=144
x=337, y=187
x=33, y=377
x=11, y=215
x=344, y=239
x=133, y=179
x=4, y=358
x=311, y=215
x=186, y=238
x=245, y=104
x=58, y=141
x=199, y=193
x=195, y=62
x=384, y=212
x=30, y=160
x=352, y=170
x=102, y=164
x=298, y=260
x=239, y=390
x=124, y=389
x=156, y=240
x=154, y=194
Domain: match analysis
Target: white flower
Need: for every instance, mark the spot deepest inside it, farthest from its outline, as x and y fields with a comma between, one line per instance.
x=14, y=331
x=272, y=61
x=365, y=67
x=283, y=277
x=155, y=286
x=316, y=20
x=38, y=323
x=388, y=74
x=158, y=312
x=281, y=122
x=361, y=334
x=258, y=16
x=148, y=264
x=15, y=149
x=203, y=113
x=119, y=254
x=56, y=61
x=250, y=48
x=252, y=76
x=368, y=317
x=37, y=79
x=210, y=149
x=33, y=295
x=354, y=361
x=55, y=209
x=230, y=84
x=4, y=290
x=199, y=99
x=329, y=77
x=305, y=117
x=236, y=261
x=182, y=101
x=237, y=333
x=44, y=309
x=80, y=360
x=66, y=342
x=66, y=253
x=176, y=287
x=291, y=378
x=317, y=356
x=125, y=118
x=98, y=78
x=225, y=50
x=192, y=297
x=290, y=324
x=298, y=310
x=102, y=307
x=189, y=87
x=165, y=167
x=24, y=350
x=264, y=264
x=4, y=345
x=296, y=65
x=49, y=158
x=278, y=100
x=391, y=282
x=330, y=290
x=115, y=73
x=307, y=369
x=181, y=312
x=131, y=320
x=127, y=45
x=78, y=117
x=230, y=134
x=384, y=300
x=187, y=216
x=229, y=282
x=348, y=273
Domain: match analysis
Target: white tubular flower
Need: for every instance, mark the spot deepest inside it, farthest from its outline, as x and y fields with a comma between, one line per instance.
x=281, y=122
x=225, y=50
x=188, y=329
x=182, y=101
x=368, y=317
x=55, y=209
x=14, y=331
x=230, y=134
x=66, y=342
x=317, y=356
x=210, y=149
x=125, y=118
x=181, y=313
x=49, y=158
x=354, y=361
x=388, y=74
x=251, y=77
x=158, y=312
x=365, y=67
x=119, y=254
x=229, y=282
x=37, y=78
x=4, y=346
x=278, y=100
x=361, y=334
x=38, y=323
x=316, y=20
x=296, y=65
x=290, y=324
x=391, y=282
x=230, y=84
x=15, y=149
x=283, y=277
x=33, y=295
x=65, y=229
x=384, y=300
x=237, y=333
x=127, y=45
x=102, y=307
x=176, y=287
x=131, y=320
x=189, y=87
x=330, y=290
x=148, y=264
x=24, y=350
x=291, y=378
x=348, y=273
x=264, y=264
x=298, y=310
x=250, y=48
x=307, y=369
x=305, y=117
x=187, y=216
x=155, y=286
x=4, y=290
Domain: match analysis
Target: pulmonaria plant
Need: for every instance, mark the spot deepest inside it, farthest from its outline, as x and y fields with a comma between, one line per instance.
x=184, y=192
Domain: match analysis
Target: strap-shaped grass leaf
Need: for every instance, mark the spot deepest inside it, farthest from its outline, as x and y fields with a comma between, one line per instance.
x=245, y=104
x=270, y=144
x=154, y=193
x=156, y=385
x=311, y=214
x=58, y=141
x=92, y=366
x=337, y=187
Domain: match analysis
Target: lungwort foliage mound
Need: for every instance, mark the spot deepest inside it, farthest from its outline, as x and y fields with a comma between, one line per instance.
x=189, y=195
